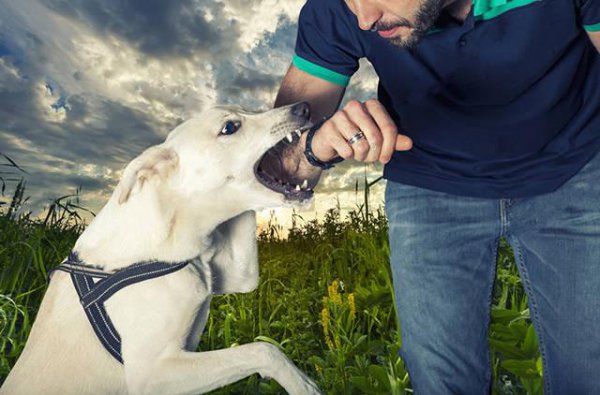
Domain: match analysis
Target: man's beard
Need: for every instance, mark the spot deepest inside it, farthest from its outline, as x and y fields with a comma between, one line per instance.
x=427, y=14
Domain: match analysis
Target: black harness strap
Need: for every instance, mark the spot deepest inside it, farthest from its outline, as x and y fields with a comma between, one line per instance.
x=92, y=295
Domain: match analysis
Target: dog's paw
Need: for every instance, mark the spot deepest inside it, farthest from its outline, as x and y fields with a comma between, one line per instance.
x=282, y=369
x=304, y=386
x=310, y=388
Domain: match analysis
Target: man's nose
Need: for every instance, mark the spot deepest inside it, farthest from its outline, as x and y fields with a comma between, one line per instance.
x=367, y=13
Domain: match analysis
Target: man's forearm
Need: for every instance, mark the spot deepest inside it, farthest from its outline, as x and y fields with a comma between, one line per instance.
x=324, y=99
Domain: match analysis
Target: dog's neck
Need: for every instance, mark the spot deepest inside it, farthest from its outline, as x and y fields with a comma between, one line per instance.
x=150, y=227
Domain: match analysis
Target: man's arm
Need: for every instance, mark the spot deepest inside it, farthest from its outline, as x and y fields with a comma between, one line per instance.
x=324, y=97
x=595, y=38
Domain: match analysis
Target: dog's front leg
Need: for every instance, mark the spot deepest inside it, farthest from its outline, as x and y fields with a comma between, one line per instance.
x=200, y=372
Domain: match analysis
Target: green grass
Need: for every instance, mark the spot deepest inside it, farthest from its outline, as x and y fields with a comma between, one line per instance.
x=325, y=298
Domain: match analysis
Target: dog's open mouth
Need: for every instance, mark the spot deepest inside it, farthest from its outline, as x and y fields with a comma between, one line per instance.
x=272, y=176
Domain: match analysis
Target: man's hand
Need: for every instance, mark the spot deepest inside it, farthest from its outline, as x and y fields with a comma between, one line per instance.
x=381, y=134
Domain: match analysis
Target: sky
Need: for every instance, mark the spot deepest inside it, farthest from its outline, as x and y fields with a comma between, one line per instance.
x=87, y=85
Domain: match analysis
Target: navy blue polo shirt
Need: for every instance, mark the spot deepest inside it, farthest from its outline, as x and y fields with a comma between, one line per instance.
x=503, y=105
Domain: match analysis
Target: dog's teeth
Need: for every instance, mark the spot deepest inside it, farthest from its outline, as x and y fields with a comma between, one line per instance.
x=305, y=184
x=298, y=132
x=289, y=137
x=297, y=188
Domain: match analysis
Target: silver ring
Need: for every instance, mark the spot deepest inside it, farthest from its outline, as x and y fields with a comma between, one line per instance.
x=359, y=135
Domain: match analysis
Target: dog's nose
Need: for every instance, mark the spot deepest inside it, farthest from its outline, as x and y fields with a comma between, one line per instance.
x=301, y=110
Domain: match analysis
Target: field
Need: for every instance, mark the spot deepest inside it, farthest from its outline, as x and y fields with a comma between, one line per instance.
x=325, y=298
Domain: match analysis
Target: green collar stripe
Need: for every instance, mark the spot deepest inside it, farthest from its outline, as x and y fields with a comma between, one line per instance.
x=488, y=9
x=592, y=28
x=484, y=10
x=320, y=71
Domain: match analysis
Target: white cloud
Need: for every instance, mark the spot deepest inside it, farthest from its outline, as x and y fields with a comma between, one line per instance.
x=260, y=17
x=119, y=93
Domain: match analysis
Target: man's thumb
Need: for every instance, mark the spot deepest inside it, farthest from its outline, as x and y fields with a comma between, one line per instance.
x=403, y=143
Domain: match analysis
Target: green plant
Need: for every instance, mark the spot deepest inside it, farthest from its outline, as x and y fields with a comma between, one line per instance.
x=344, y=259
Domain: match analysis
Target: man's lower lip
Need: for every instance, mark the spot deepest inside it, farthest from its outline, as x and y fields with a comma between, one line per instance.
x=391, y=32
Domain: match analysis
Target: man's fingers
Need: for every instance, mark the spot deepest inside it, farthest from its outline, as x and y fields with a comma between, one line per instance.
x=368, y=149
x=381, y=134
x=329, y=142
x=403, y=143
x=341, y=146
x=386, y=125
x=346, y=127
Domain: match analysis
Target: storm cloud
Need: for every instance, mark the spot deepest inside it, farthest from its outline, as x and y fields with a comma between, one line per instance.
x=157, y=27
x=86, y=85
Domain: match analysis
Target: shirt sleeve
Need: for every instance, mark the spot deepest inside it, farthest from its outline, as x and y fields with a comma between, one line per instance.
x=590, y=15
x=328, y=45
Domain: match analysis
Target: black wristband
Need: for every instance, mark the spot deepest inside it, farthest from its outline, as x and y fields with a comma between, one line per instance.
x=310, y=156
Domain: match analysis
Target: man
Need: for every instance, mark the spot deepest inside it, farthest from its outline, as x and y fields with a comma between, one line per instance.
x=488, y=123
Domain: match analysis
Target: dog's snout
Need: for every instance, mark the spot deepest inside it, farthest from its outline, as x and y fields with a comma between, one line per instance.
x=301, y=110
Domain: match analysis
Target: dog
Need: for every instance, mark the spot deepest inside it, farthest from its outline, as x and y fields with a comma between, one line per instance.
x=185, y=207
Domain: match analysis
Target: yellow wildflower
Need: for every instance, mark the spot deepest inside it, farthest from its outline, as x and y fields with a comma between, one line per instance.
x=329, y=343
x=325, y=320
x=333, y=292
x=352, y=306
x=332, y=289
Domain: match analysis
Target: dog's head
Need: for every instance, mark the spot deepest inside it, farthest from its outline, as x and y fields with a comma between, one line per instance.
x=219, y=153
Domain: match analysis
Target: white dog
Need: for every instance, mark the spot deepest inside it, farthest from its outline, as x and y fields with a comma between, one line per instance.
x=184, y=206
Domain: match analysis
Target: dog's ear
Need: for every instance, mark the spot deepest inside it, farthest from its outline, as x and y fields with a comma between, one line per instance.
x=235, y=263
x=156, y=162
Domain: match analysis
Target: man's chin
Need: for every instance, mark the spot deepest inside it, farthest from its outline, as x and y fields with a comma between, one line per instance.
x=409, y=41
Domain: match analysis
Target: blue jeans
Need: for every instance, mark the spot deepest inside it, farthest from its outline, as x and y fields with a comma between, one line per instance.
x=443, y=257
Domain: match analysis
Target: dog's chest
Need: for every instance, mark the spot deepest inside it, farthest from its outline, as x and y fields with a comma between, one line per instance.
x=160, y=313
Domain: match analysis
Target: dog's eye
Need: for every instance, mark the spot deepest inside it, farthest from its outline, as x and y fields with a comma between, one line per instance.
x=231, y=127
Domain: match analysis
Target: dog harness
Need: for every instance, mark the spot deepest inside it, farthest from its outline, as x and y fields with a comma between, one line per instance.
x=95, y=286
